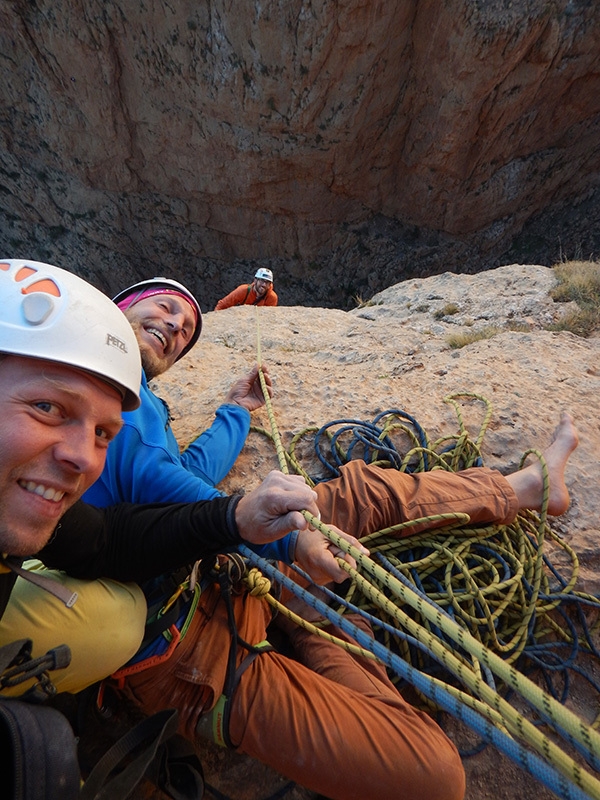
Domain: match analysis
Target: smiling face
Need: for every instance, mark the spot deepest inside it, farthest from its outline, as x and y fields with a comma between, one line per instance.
x=163, y=325
x=261, y=286
x=55, y=425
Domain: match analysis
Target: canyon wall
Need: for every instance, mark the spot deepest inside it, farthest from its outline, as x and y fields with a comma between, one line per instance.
x=347, y=145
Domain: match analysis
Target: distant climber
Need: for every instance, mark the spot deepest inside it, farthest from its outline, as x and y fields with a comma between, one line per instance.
x=258, y=293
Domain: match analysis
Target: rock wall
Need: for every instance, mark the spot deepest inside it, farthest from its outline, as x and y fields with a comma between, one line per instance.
x=348, y=145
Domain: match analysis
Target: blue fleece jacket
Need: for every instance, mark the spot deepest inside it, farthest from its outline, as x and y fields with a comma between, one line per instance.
x=144, y=464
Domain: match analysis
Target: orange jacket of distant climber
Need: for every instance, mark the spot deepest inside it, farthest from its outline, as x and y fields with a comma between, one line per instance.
x=245, y=295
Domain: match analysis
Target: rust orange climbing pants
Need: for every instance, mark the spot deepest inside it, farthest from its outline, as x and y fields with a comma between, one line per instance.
x=331, y=721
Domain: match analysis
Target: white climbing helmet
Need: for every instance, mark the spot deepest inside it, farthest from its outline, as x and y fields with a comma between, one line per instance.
x=47, y=312
x=137, y=290
x=264, y=274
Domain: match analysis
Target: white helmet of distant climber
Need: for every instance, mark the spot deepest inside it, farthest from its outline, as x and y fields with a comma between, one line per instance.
x=51, y=314
x=264, y=274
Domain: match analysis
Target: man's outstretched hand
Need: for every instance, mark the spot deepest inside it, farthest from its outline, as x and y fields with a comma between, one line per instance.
x=247, y=391
x=273, y=509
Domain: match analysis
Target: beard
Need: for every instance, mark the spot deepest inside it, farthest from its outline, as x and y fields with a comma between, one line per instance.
x=152, y=364
x=24, y=539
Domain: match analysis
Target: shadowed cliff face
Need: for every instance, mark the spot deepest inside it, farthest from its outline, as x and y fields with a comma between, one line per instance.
x=346, y=145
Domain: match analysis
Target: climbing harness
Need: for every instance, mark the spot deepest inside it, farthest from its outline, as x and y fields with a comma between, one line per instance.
x=172, y=601
x=229, y=572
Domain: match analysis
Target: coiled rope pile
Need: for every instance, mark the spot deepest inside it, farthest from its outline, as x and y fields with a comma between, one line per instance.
x=462, y=613
x=490, y=579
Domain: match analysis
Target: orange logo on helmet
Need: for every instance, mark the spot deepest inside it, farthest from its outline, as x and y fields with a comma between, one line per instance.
x=45, y=285
x=24, y=272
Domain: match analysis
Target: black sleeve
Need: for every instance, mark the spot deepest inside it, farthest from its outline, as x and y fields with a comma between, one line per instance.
x=132, y=542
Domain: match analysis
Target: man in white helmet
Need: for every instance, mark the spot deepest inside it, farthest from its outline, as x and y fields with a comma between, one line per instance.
x=50, y=318
x=258, y=293
x=69, y=366
x=145, y=465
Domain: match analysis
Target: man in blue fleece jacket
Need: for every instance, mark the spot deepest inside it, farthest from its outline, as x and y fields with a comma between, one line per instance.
x=144, y=463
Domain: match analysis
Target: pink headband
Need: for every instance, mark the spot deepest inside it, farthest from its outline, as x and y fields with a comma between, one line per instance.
x=134, y=298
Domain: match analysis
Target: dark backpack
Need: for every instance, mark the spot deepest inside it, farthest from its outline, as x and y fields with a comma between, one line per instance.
x=40, y=748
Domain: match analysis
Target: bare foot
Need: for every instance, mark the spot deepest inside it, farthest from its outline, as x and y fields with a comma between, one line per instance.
x=527, y=482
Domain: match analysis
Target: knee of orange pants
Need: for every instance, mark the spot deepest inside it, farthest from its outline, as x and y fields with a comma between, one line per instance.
x=345, y=744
